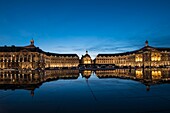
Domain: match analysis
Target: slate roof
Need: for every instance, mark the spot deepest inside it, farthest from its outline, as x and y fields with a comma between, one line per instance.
x=55, y=54
x=19, y=48
x=31, y=48
x=135, y=51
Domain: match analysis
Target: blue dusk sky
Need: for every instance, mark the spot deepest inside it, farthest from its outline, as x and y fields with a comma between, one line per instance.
x=74, y=26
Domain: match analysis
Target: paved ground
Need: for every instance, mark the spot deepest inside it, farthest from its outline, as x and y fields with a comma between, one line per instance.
x=88, y=96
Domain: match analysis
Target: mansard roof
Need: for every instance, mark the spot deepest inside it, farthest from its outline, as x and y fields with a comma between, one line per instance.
x=146, y=48
x=31, y=48
x=86, y=55
x=155, y=48
x=19, y=48
x=163, y=49
x=55, y=54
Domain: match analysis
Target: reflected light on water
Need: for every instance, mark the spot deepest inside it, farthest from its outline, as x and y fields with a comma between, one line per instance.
x=98, y=91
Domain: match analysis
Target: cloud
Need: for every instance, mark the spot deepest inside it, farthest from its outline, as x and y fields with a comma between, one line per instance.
x=108, y=47
x=79, y=45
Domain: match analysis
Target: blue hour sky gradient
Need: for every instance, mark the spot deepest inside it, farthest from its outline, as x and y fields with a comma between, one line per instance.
x=74, y=26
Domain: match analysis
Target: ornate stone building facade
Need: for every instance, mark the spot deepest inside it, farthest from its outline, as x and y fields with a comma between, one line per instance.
x=86, y=61
x=32, y=57
x=145, y=57
x=61, y=60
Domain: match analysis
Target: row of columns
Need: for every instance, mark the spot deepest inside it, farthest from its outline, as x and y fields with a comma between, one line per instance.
x=17, y=58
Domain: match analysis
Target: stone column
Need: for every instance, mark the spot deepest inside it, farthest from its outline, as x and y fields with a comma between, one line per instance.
x=10, y=58
x=15, y=58
x=30, y=58
x=22, y=58
x=27, y=58
x=3, y=57
x=19, y=58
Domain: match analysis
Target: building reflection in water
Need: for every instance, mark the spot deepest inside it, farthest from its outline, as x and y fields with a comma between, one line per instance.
x=30, y=80
x=86, y=73
x=148, y=76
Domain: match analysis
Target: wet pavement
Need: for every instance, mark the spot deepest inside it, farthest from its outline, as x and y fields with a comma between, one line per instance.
x=88, y=95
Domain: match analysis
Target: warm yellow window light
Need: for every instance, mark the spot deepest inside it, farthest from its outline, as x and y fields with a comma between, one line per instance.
x=139, y=74
x=156, y=75
x=155, y=57
x=138, y=58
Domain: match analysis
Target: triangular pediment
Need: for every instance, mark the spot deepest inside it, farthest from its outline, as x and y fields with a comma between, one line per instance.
x=24, y=50
x=147, y=48
x=30, y=46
